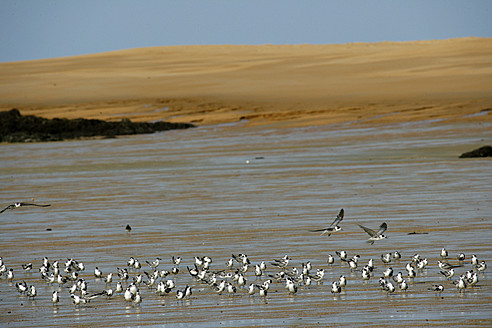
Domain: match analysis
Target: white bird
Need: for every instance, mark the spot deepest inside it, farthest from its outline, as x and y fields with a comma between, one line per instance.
x=306, y=267
x=282, y=263
x=263, y=291
x=375, y=235
x=97, y=273
x=133, y=289
x=137, y=299
x=170, y=283
x=411, y=272
x=331, y=259
x=389, y=287
x=80, y=266
x=422, y=263
x=154, y=264
x=335, y=288
x=258, y=271
x=403, y=285
x=444, y=265
x=176, y=260
x=474, y=260
x=473, y=280
x=461, y=284
x=198, y=261
x=386, y=258
x=342, y=281
x=333, y=227
x=119, y=287
x=27, y=267
x=188, y=291
x=388, y=272
x=46, y=263
x=290, y=286
x=437, y=288
x=241, y=281
x=60, y=279
x=251, y=289
x=10, y=274
x=398, y=278
x=231, y=289
x=342, y=255
x=108, y=293
x=220, y=287
x=448, y=274
x=128, y=295
x=266, y=284
x=481, y=267
x=180, y=294
x=54, y=298
x=78, y=300
x=230, y=263
x=320, y=273
x=21, y=287
x=20, y=204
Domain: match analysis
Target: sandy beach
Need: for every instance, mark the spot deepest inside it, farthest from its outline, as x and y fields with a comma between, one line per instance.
x=294, y=85
x=286, y=136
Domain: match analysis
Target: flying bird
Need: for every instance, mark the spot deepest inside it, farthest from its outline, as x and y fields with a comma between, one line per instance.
x=333, y=227
x=17, y=205
x=375, y=235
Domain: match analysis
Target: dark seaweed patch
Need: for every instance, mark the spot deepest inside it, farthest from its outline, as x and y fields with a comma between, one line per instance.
x=15, y=127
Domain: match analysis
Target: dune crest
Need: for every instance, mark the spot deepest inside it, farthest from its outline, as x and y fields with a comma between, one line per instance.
x=288, y=84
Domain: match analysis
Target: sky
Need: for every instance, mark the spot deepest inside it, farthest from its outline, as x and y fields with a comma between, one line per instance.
x=37, y=29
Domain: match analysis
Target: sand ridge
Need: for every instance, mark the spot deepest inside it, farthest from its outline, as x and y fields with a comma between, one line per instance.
x=449, y=80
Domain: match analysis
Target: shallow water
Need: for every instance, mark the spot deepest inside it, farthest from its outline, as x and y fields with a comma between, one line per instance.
x=192, y=193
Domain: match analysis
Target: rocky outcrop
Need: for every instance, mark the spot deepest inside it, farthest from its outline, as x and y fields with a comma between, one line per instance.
x=484, y=151
x=15, y=127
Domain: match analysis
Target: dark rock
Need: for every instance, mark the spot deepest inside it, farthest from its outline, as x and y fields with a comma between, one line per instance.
x=17, y=128
x=485, y=151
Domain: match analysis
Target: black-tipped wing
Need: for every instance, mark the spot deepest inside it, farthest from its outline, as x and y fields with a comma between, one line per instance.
x=335, y=222
x=370, y=232
x=32, y=204
x=7, y=208
x=324, y=229
x=382, y=228
x=338, y=219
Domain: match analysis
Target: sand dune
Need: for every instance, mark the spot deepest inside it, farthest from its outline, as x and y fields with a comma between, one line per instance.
x=265, y=84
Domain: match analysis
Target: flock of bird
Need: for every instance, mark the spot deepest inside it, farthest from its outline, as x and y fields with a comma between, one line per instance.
x=238, y=275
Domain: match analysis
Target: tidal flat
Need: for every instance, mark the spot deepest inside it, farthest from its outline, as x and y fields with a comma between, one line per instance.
x=222, y=190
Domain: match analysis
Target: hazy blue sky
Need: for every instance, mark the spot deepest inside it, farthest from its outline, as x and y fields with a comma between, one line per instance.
x=32, y=29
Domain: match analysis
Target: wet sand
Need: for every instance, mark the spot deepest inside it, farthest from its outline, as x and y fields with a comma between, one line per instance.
x=191, y=193
x=375, y=129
